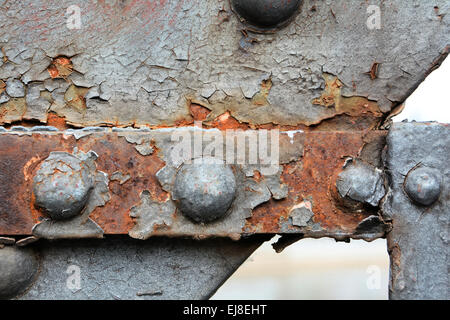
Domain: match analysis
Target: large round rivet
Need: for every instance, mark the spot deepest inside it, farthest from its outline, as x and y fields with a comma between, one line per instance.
x=204, y=189
x=18, y=267
x=362, y=183
x=62, y=185
x=266, y=14
x=423, y=185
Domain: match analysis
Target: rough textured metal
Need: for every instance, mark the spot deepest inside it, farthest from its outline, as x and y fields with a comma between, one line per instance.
x=423, y=185
x=141, y=204
x=419, y=241
x=266, y=14
x=301, y=216
x=361, y=182
x=164, y=55
x=117, y=268
x=250, y=192
x=18, y=269
x=69, y=188
x=62, y=185
x=204, y=189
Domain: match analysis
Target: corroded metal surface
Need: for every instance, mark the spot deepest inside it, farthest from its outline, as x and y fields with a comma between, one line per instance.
x=18, y=269
x=143, y=62
x=310, y=163
x=120, y=268
x=330, y=74
x=418, y=243
x=67, y=188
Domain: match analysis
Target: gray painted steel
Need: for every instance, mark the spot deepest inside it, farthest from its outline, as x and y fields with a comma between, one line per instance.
x=124, y=268
x=418, y=243
x=18, y=267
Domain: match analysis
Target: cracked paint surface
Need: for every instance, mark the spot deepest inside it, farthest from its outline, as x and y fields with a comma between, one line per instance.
x=155, y=217
x=309, y=164
x=141, y=62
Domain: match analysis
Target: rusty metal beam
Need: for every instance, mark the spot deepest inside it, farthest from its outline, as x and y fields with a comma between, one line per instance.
x=310, y=165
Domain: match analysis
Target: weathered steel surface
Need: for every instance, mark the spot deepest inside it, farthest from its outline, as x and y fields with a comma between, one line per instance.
x=418, y=242
x=18, y=269
x=321, y=66
x=127, y=269
x=310, y=163
x=143, y=62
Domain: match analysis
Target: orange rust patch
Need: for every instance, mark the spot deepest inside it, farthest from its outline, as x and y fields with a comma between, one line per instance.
x=308, y=181
x=198, y=112
x=56, y=121
x=61, y=67
x=18, y=164
x=115, y=154
x=373, y=73
x=227, y=121
x=257, y=175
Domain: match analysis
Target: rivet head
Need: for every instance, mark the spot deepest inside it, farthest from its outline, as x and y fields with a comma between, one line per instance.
x=423, y=185
x=62, y=185
x=204, y=189
x=266, y=14
x=18, y=267
x=362, y=183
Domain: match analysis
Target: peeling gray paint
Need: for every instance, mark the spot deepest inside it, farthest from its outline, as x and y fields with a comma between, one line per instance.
x=80, y=226
x=119, y=176
x=418, y=243
x=142, y=142
x=250, y=192
x=154, y=62
x=75, y=228
x=63, y=183
x=151, y=213
x=4, y=98
x=361, y=182
x=301, y=216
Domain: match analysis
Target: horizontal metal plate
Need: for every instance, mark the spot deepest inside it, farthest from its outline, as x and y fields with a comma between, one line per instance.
x=310, y=162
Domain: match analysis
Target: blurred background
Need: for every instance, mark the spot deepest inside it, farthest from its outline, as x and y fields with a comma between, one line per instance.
x=324, y=268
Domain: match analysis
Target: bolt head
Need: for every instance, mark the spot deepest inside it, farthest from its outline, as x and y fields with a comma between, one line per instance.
x=423, y=185
x=362, y=183
x=204, y=189
x=266, y=14
x=18, y=267
x=62, y=185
